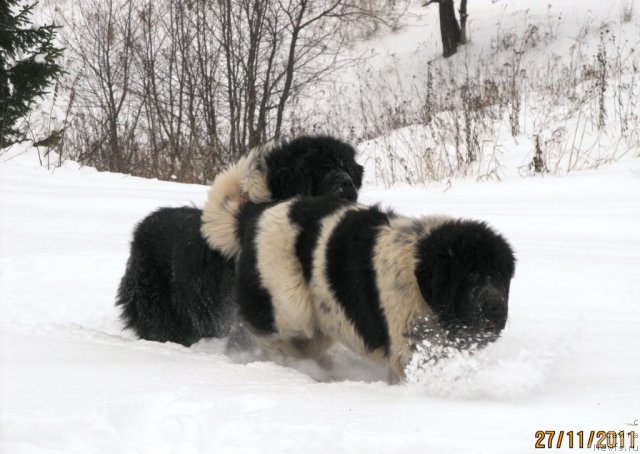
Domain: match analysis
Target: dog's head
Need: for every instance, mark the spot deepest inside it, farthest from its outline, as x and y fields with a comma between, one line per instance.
x=313, y=165
x=464, y=271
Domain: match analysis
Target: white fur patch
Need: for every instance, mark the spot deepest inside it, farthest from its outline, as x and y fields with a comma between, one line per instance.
x=281, y=273
x=253, y=168
x=224, y=201
x=332, y=319
x=241, y=182
x=400, y=296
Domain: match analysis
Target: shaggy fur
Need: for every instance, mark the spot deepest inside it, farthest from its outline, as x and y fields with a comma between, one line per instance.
x=175, y=287
x=314, y=270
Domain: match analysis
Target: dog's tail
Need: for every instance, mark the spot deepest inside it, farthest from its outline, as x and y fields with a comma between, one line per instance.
x=253, y=168
x=242, y=182
x=224, y=202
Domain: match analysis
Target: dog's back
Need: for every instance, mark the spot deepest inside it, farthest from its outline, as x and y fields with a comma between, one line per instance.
x=167, y=248
x=305, y=274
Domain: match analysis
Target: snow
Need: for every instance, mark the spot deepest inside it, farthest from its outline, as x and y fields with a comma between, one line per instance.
x=73, y=381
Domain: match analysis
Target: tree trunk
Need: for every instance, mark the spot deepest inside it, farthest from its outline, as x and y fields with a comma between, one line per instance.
x=449, y=28
x=463, y=21
x=291, y=62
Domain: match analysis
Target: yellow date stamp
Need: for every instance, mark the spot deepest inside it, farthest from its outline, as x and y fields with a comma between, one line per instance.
x=590, y=439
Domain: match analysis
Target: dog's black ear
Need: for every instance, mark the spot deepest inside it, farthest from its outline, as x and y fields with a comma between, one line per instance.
x=422, y=273
x=432, y=274
x=286, y=181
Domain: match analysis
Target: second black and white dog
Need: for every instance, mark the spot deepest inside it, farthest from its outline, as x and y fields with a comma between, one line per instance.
x=314, y=270
x=175, y=287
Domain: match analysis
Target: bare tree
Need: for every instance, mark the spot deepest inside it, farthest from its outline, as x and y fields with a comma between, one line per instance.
x=452, y=32
x=188, y=86
x=102, y=41
x=463, y=21
x=271, y=50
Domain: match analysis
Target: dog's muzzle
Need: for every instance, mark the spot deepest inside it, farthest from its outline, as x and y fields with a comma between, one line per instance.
x=494, y=308
x=340, y=184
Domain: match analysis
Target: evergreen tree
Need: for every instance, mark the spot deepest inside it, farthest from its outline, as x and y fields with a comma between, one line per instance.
x=27, y=66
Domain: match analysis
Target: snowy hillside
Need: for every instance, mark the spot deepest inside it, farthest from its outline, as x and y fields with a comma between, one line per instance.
x=72, y=381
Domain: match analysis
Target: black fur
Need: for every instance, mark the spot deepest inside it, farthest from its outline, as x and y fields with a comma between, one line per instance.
x=165, y=293
x=352, y=276
x=258, y=310
x=306, y=214
x=175, y=288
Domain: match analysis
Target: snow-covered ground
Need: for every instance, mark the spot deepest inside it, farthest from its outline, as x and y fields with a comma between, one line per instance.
x=72, y=381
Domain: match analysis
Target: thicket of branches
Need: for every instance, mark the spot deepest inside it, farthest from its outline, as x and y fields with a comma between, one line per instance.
x=177, y=89
x=574, y=111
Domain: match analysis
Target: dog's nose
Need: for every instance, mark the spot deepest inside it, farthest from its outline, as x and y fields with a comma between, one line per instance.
x=348, y=191
x=338, y=183
x=494, y=308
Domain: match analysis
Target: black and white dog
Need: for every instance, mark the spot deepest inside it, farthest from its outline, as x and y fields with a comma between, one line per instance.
x=175, y=287
x=318, y=269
